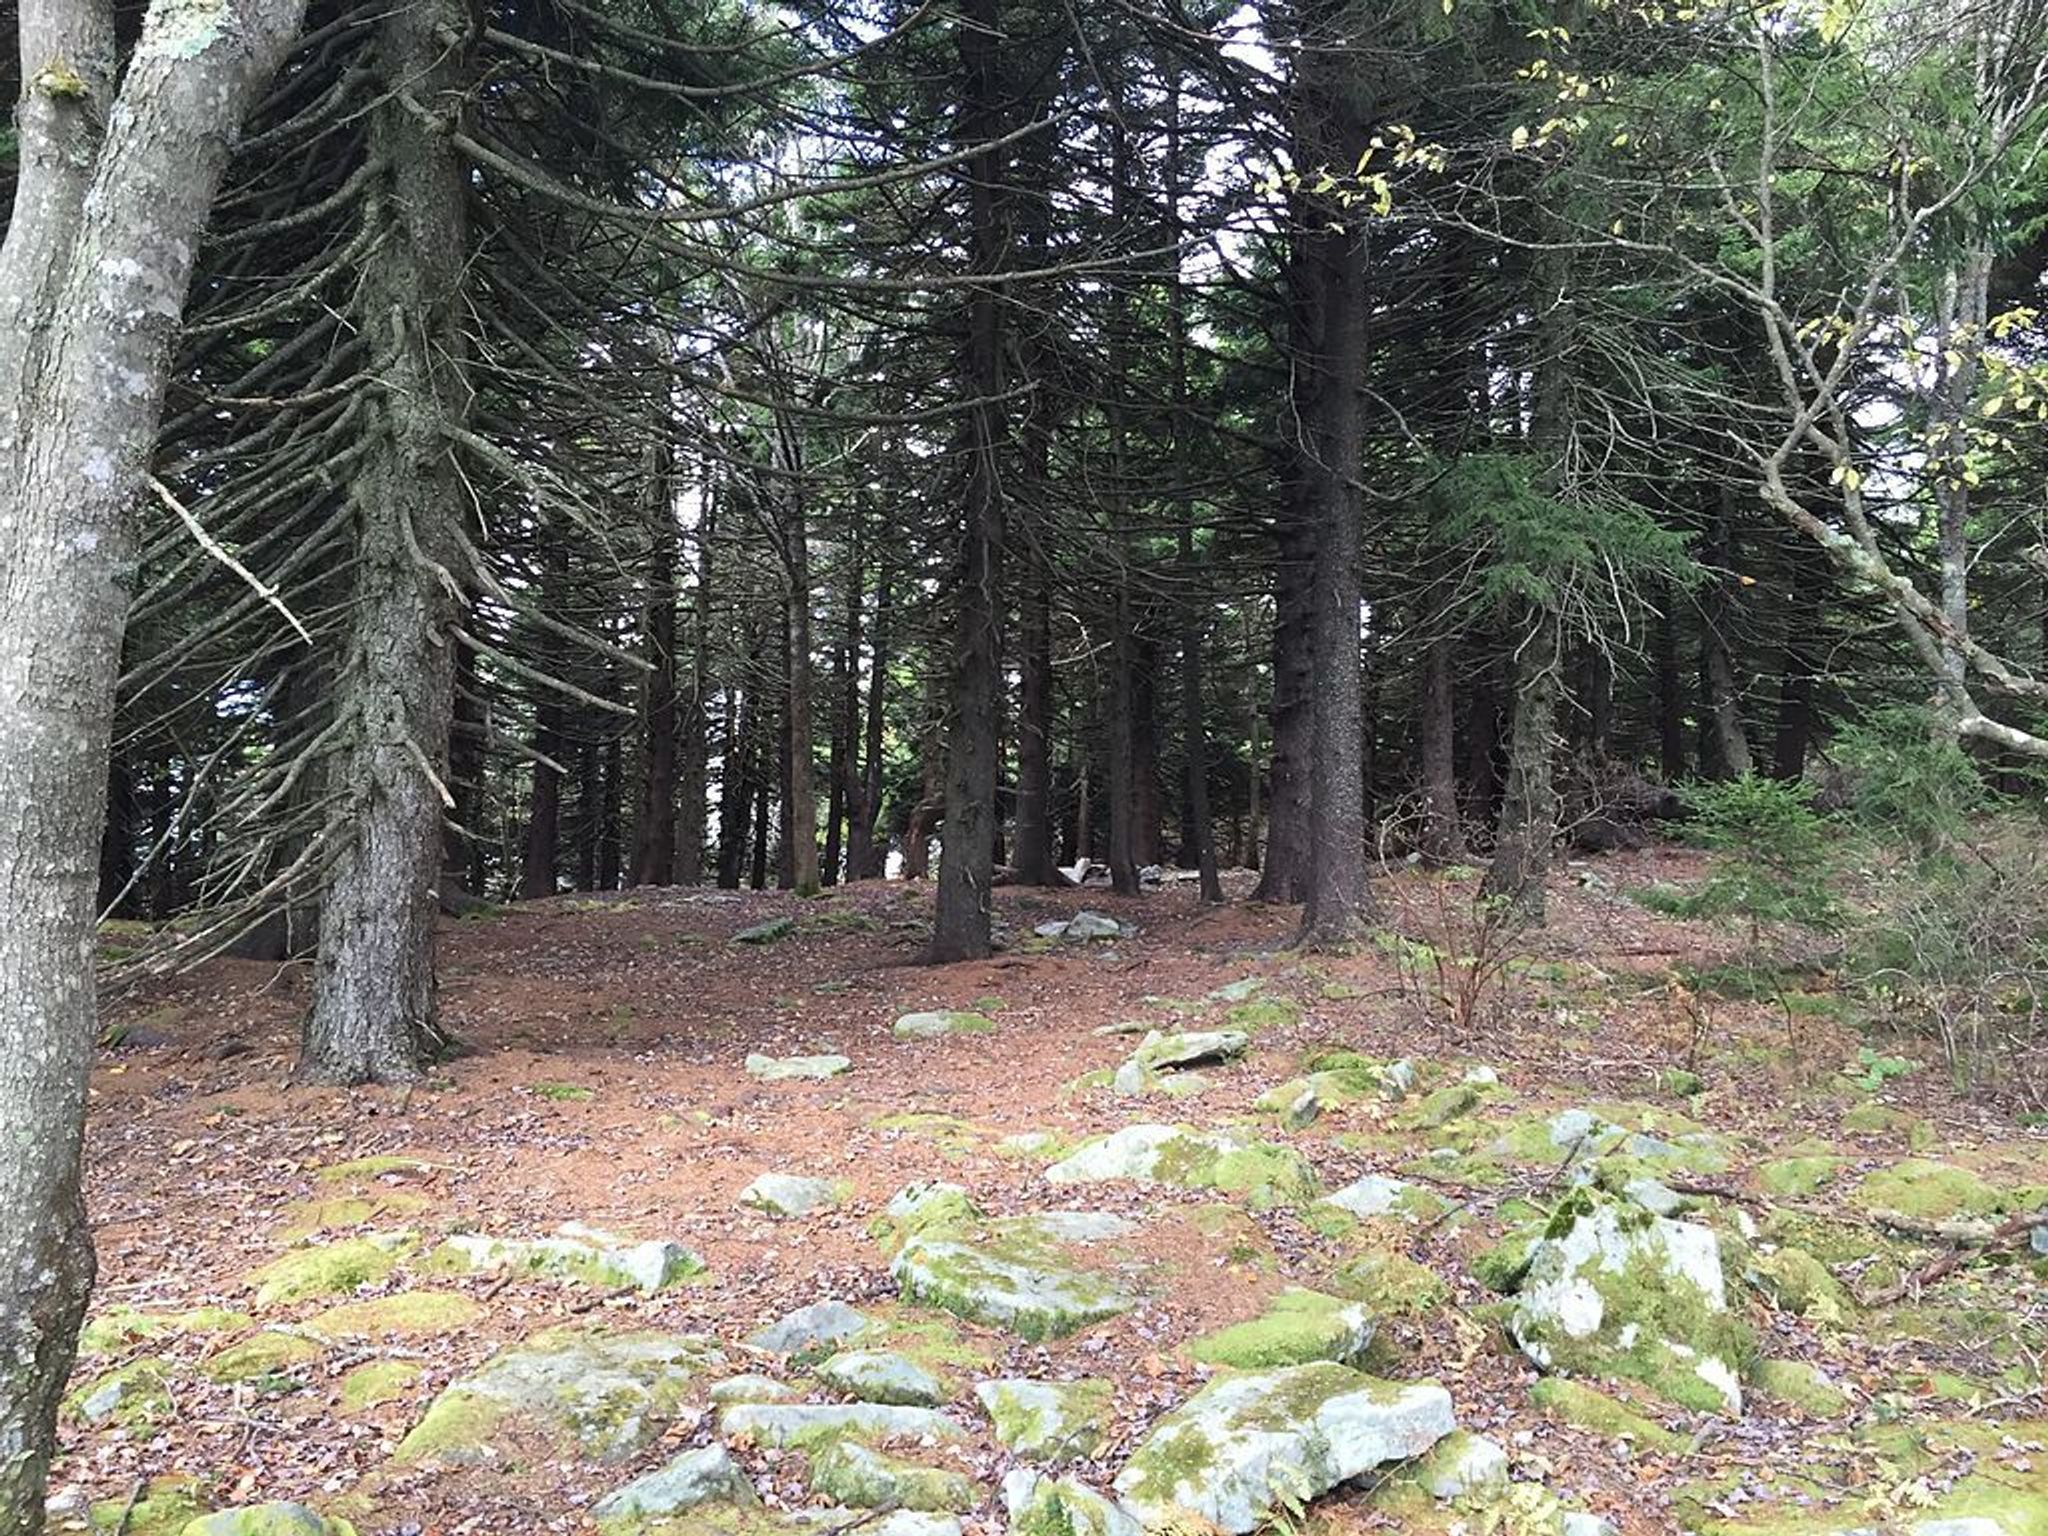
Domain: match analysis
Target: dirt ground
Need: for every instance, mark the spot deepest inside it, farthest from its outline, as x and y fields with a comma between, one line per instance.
x=602, y=1083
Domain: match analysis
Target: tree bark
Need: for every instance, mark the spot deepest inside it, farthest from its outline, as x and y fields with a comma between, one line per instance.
x=960, y=930
x=1528, y=812
x=1284, y=874
x=1443, y=834
x=1725, y=745
x=866, y=854
x=693, y=770
x=111, y=195
x=374, y=1009
x=654, y=842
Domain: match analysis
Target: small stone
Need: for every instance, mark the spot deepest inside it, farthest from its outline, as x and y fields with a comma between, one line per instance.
x=1463, y=1465
x=784, y=1069
x=576, y=1253
x=1297, y=1327
x=859, y=1476
x=821, y=1327
x=883, y=1376
x=1010, y=1276
x=1038, y=1505
x=752, y=1389
x=329, y=1269
x=278, y=1519
x=1376, y=1195
x=790, y=1195
x=766, y=933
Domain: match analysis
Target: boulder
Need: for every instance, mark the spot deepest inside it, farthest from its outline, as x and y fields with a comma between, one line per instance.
x=812, y=1424
x=605, y=1396
x=935, y=1024
x=1015, y=1274
x=1162, y=1053
x=1048, y=1421
x=1250, y=1446
x=1267, y=1174
x=1038, y=1505
x=1613, y=1291
x=276, y=1519
x=818, y=1328
x=577, y=1253
x=884, y=1376
x=705, y=1476
x=790, y=1195
x=856, y=1475
x=1298, y=1326
x=785, y=1069
x=1376, y=1195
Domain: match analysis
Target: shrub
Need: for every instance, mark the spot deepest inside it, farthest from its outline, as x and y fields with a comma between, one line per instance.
x=1771, y=850
x=1908, y=783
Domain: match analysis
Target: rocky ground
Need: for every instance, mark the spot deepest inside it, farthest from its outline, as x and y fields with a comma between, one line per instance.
x=736, y=1222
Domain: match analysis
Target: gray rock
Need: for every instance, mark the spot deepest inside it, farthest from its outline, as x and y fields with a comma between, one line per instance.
x=1035, y=1502
x=1241, y=991
x=1177, y=1154
x=821, y=1327
x=805, y=1424
x=578, y=1253
x=790, y=1195
x=1250, y=1445
x=608, y=1396
x=933, y=1025
x=705, y=1476
x=1463, y=1465
x=766, y=933
x=883, y=1376
x=1161, y=1053
x=783, y=1069
x=847, y=1472
x=752, y=1388
x=1580, y=1523
x=1048, y=1421
x=1376, y=1195
x=1082, y=927
x=276, y=1519
x=1009, y=1275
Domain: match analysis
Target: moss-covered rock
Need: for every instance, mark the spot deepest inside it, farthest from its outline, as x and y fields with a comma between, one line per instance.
x=938, y=1023
x=1588, y=1408
x=277, y=1519
x=1297, y=1327
x=362, y=1170
x=118, y=1327
x=1015, y=1274
x=1799, y=1177
x=274, y=1352
x=405, y=1315
x=788, y=1195
x=1377, y=1197
x=604, y=1395
x=884, y=1376
x=856, y=1475
x=1044, y=1506
x=1251, y=1444
x=163, y=1507
x=329, y=1269
x=648, y=1505
x=1796, y=1384
x=807, y=1426
x=372, y=1385
x=812, y=1331
x=1612, y=1291
x=1922, y=1190
x=1797, y=1282
x=133, y=1397
x=1260, y=1013
x=1266, y=1174
x=335, y=1213
x=1048, y=1421
x=1390, y=1283
x=576, y=1253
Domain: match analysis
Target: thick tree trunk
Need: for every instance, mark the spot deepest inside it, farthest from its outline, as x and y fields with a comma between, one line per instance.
x=374, y=1008
x=1528, y=812
x=109, y=204
x=1442, y=839
x=1284, y=874
x=654, y=841
x=800, y=799
x=1724, y=745
x=960, y=929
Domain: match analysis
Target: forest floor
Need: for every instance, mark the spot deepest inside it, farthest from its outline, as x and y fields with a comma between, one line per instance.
x=605, y=1085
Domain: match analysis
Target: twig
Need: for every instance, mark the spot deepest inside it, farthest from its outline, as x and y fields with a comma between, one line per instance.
x=1953, y=1259
x=212, y=546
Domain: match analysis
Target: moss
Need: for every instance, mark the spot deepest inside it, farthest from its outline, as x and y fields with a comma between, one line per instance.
x=563, y=1093
x=1798, y=1177
x=920, y=1209
x=860, y=1477
x=1267, y=1175
x=1049, y=1421
x=1799, y=1385
x=377, y=1383
x=1798, y=1282
x=271, y=1353
x=120, y=1326
x=409, y=1314
x=455, y=1428
x=1392, y=1284
x=1575, y=1403
x=1297, y=1327
x=358, y=1169
x=1010, y=1276
x=327, y=1269
x=308, y=1218
x=1260, y=1013
x=1501, y=1267
x=1453, y=1101
x=164, y=1507
x=278, y=1519
x=1874, y=1119
x=134, y=1397
x=1927, y=1191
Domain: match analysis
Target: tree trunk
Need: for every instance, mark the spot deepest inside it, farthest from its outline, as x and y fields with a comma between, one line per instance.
x=693, y=769
x=1725, y=746
x=654, y=841
x=800, y=800
x=1528, y=812
x=1032, y=859
x=866, y=854
x=1443, y=834
x=1284, y=874
x=92, y=288
x=1670, y=692
x=374, y=1007
x=960, y=929
x=735, y=788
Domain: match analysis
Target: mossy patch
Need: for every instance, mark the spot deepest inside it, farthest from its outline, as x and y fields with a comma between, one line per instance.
x=273, y=1352
x=118, y=1327
x=1390, y=1283
x=1259, y=1013
x=334, y=1213
x=860, y=1477
x=1049, y=1421
x=408, y=1314
x=372, y=1385
x=134, y=1397
x=164, y=1507
x=328, y=1269
x=563, y=1093
x=1298, y=1326
x=1798, y=1385
x=1575, y=1403
x=360, y=1169
x=1798, y=1177
x=1923, y=1190
x=1010, y=1275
